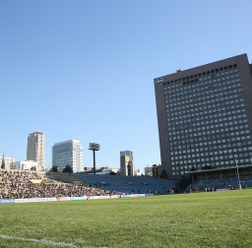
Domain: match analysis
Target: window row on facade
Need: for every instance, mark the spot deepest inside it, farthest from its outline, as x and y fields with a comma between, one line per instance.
x=223, y=116
x=208, y=143
x=208, y=149
x=214, y=161
x=203, y=96
x=194, y=153
x=233, y=143
x=204, y=81
x=217, y=85
x=208, y=129
x=207, y=122
x=204, y=85
x=203, y=137
x=229, y=68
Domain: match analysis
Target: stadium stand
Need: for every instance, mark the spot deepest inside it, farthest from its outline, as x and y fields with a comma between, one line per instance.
x=127, y=184
x=25, y=184
x=63, y=177
x=219, y=184
x=221, y=179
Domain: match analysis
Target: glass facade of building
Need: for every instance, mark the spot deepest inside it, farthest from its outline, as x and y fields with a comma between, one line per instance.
x=68, y=153
x=204, y=117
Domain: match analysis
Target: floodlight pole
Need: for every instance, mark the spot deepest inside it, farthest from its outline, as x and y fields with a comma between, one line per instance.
x=94, y=169
x=94, y=147
x=238, y=175
x=177, y=171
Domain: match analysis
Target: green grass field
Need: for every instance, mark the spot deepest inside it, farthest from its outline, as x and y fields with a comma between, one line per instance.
x=213, y=219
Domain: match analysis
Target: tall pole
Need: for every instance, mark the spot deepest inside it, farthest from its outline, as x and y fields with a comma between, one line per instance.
x=94, y=169
x=94, y=147
x=237, y=171
x=177, y=172
x=192, y=178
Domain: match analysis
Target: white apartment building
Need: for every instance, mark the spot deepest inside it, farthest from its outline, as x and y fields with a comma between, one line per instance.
x=26, y=165
x=148, y=171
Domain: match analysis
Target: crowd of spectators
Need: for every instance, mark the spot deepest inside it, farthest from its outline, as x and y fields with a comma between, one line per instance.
x=25, y=184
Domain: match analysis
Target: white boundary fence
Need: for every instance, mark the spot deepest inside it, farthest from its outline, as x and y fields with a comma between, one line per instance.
x=55, y=199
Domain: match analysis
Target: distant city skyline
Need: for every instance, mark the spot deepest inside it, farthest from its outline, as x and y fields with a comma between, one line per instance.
x=36, y=142
x=84, y=69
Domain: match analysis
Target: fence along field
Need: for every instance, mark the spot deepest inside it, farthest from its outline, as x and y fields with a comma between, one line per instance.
x=212, y=219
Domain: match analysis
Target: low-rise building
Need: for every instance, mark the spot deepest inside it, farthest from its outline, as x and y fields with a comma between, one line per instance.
x=26, y=165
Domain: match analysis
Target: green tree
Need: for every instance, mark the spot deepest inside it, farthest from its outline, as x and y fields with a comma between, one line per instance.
x=68, y=169
x=163, y=174
x=3, y=164
x=12, y=167
x=54, y=169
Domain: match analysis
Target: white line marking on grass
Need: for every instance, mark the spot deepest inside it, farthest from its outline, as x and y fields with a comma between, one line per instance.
x=45, y=242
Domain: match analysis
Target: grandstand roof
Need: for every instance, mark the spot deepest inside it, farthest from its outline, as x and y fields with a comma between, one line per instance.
x=219, y=169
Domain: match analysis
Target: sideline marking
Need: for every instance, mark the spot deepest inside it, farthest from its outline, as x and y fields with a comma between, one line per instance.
x=46, y=242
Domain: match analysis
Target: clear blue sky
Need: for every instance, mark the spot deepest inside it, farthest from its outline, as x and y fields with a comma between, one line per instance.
x=84, y=69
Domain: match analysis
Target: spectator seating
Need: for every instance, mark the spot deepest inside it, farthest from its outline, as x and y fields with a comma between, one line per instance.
x=25, y=184
x=218, y=184
x=127, y=184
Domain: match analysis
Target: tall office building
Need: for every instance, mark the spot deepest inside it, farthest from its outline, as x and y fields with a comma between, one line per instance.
x=205, y=116
x=70, y=153
x=126, y=163
x=36, y=148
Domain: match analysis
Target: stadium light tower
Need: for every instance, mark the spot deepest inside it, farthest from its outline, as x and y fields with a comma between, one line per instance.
x=94, y=147
x=238, y=175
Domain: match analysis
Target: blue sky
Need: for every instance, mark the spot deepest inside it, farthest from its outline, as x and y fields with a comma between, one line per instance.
x=84, y=69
